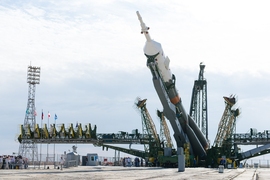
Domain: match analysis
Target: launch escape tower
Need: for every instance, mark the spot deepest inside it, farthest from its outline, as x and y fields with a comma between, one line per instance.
x=28, y=148
x=198, y=106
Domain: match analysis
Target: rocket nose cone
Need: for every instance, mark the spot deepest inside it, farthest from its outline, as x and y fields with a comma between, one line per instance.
x=152, y=47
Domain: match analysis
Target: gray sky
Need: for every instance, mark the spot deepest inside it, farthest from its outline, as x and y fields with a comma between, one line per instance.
x=93, y=66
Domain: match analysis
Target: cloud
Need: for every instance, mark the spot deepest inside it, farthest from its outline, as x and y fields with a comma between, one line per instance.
x=93, y=66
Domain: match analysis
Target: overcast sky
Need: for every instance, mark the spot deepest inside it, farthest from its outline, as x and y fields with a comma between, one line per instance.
x=93, y=66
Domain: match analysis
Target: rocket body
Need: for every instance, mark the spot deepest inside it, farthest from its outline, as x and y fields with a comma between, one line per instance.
x=185, y=129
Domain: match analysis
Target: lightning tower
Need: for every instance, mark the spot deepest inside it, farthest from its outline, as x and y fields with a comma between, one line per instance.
x=28, y=148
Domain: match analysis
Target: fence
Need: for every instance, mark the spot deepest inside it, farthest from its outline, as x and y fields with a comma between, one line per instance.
x=45, y=161
x=257, y=163
x=117, y=161
x=50, y=161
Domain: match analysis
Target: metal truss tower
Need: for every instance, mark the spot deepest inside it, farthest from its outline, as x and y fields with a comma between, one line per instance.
x=198, y=106
x=165, y=136
x=28, y=148
x=148, y=128
x=226, y=125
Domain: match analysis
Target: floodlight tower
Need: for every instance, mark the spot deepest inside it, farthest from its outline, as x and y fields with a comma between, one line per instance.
x=28, y=148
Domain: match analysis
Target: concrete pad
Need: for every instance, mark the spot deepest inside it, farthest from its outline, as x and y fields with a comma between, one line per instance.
x=133, y=173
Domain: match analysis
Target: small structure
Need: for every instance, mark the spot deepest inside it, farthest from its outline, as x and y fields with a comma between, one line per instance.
x=72, y=158
x=92, y=159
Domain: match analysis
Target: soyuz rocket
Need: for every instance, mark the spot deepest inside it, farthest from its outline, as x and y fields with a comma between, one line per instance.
x=185, y=129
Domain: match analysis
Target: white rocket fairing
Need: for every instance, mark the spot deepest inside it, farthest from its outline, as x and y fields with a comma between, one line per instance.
x=152, y=48
x=164, y=81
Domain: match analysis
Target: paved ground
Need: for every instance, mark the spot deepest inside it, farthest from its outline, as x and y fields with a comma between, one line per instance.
x=135, y=173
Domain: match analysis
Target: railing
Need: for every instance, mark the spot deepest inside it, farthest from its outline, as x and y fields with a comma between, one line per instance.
x=247, y=139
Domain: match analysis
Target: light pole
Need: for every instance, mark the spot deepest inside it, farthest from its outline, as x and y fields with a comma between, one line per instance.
x=49, y=133
x=55, y=117
x=42, y=115
x=28, y=148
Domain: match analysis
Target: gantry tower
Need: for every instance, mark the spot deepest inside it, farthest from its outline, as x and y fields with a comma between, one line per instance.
x=165, y=136
x=198, y=106
x=148, y=128
x=226, y=125
x=28, y=148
